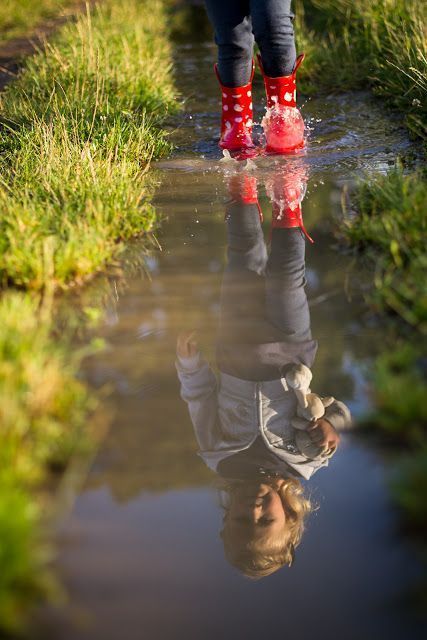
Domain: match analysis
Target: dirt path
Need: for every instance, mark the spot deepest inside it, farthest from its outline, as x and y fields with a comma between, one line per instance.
x=14, y=52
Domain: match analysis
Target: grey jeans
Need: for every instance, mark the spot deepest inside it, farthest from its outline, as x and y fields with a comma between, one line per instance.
x=238, y=23
x=263, y=299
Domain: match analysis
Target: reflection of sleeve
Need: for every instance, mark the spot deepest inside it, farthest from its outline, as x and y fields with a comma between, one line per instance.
x=338, y=414
x=199, y=391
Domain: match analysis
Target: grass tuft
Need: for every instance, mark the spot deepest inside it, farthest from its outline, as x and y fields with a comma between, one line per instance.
x=389, y=230
x=409, y=489
x=399, y=391
x=380, y=45
x=17, y=17
x=79, y=127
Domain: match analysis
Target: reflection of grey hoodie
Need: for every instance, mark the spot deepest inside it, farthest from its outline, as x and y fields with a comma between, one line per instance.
x=229, y=413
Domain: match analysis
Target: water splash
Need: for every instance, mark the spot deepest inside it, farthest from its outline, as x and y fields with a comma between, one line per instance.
x=286, y=189
x=283, y=128
x=227, y=158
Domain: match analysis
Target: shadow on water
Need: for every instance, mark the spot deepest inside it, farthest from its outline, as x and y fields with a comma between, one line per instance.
x=141, y=553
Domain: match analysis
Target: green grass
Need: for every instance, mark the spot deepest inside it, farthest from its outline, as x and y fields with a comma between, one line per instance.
x=79, y=127
x=24, y=577
x=399, y=416
x=18, y=17
x=43, y=411
x=389, y=231
x=409, y=489
x=380, y=45
x=399, y=392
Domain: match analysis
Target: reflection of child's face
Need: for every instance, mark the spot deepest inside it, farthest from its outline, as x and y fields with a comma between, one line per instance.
x=256, y=512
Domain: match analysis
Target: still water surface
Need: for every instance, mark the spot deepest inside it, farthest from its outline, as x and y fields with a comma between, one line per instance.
x=141, y=553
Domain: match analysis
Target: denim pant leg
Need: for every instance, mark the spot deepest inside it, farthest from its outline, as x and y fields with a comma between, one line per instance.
x=233, y=35
x=286, y=300
x=272, y=25
x=242, y=290
x=271, y=21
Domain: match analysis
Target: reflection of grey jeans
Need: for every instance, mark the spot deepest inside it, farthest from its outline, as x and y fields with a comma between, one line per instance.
x=237, y=23
x=263, y=297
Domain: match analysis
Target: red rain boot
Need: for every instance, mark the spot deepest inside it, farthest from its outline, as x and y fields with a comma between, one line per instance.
x=243, y=187
x=283, y=123
x=286, y=192
x=236, y=116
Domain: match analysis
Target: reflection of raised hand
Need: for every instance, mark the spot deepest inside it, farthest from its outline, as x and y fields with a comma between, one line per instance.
x=286, y=190
x=186, y=345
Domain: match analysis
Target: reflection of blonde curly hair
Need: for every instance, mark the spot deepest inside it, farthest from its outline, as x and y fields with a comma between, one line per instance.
x=257, y=558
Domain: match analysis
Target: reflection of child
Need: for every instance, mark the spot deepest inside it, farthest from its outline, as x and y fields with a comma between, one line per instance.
x=243, y=418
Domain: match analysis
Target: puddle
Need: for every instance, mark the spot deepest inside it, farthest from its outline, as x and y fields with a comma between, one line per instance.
x=141, y=553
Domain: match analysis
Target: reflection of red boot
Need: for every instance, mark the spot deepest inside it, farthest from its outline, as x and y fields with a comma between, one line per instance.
x=286, y=192
x=243, y=188
x=283, y=123
x=236, y=116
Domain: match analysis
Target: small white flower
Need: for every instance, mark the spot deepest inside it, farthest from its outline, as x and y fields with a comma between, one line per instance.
x=249, y=93
x=288, y=96
x=237, y=95
x=225, y=107
x=237, y=107
x=251, y=106
x=238, y=119
x=224, y=95
x=228, y=125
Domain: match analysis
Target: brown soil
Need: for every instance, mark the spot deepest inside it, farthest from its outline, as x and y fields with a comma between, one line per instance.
x=13, y=52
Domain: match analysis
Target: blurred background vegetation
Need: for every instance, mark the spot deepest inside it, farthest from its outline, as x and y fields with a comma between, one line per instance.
x=18, y=17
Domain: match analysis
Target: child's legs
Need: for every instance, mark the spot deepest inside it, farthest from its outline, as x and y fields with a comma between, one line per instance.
x=274, y=34
x=233, y=35
x=246, y=250
x=242, y=290
x=286, y=301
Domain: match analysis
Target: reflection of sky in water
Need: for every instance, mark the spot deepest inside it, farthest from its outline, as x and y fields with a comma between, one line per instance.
x=312, y=279
x=151, y=263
